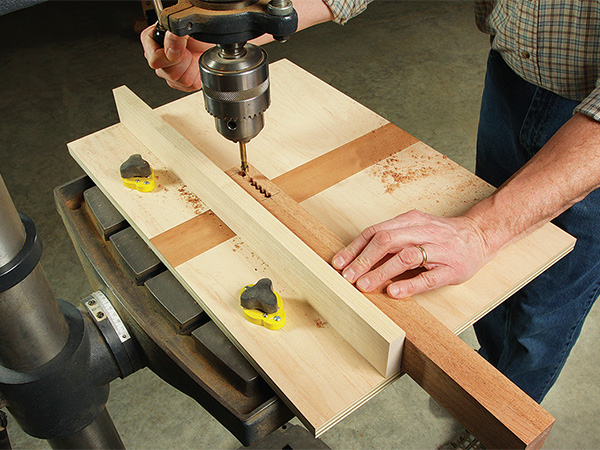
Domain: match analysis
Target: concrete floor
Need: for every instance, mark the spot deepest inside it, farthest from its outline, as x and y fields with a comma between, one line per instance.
x=419, y=64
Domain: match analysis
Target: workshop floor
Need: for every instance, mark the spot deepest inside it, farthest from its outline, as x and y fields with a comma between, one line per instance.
x=419, y=64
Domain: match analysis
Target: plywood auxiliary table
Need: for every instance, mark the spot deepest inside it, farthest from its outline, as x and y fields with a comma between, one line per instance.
x=330, y=168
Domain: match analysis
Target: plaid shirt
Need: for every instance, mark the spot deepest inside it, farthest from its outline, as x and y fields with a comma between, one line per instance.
x=344, y=10
x=554, y=44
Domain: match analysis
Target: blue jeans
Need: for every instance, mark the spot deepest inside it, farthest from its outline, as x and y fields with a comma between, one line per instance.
x=530, y=335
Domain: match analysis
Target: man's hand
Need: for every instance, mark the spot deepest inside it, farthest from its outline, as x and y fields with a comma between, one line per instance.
x=455, y=249
x=177, y=62
x=562, y=173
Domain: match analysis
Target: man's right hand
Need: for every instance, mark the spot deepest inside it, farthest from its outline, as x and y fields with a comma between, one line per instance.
x=177, y=62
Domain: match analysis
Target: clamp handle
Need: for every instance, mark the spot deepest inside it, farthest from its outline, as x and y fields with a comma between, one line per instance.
x=260, y=296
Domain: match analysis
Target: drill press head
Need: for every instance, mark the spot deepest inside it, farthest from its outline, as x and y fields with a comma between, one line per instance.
x=235, y=74
x=235, y=83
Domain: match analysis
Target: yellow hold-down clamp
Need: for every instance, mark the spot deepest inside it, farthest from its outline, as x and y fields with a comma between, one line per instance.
x=262, y=306
x=142, y=184
x=137, y=174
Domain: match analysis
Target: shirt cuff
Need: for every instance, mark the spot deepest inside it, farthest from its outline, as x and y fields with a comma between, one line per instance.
x=590, y=106
x=344, y=10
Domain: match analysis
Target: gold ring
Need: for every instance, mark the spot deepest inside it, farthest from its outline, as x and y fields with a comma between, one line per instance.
x=424, y=253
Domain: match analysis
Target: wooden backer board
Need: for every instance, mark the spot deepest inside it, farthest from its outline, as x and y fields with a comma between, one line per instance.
x=364, y=326
x=115, y=144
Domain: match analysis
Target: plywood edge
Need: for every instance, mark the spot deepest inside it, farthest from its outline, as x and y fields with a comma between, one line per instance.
x=569, y=244
x=354, y=406
x=367, y=329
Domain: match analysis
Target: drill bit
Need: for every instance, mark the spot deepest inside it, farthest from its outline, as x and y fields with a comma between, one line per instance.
x=243, y=158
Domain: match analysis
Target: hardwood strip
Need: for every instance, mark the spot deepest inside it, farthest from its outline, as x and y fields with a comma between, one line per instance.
x=192, y=238
x=329, y=169
x=364, y=326
x=466, y=385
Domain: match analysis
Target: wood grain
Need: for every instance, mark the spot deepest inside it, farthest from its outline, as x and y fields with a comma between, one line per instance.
x=418, y=177
x=332, y=167
x=192, y=238
x=296, y=131
x=318, y=373
x=148, y=209
x=369, y=331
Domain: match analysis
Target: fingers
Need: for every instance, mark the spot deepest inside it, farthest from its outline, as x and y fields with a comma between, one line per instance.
x=197, y=84
x=382, y=243
x=175, y=62
x=423, y=282
x=189, y=80
x=176, y=71
x=453, y=251
x=175, y=47
x=406, y=259
x=404, y=221
x=377, y=246
x=351, y=252
x=183, y=76
x=159, y=57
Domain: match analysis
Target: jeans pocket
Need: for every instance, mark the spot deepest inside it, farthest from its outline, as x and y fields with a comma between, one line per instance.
x=546, y=114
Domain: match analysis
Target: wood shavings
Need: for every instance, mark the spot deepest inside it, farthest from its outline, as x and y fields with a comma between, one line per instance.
x=191, y=199
x=320, y=323
x=397, y=171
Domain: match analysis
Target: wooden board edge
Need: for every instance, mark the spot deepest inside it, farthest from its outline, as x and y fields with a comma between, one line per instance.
x=326, y=426
x=461, y=328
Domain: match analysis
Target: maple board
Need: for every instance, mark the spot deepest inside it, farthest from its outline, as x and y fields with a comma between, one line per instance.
x=322, y=377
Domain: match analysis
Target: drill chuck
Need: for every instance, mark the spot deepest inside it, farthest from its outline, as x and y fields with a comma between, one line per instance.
x=235, y=82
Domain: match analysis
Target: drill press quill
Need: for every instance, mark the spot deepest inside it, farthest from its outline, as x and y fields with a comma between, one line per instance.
x=234, y=73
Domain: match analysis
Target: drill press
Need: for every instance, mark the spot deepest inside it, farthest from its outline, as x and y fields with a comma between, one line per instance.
x=234, y=73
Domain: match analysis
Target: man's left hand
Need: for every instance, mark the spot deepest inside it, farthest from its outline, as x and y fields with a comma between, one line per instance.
x=453, y=250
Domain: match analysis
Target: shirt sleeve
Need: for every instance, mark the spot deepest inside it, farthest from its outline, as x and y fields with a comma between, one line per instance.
x=590, y=106
x=344, y=10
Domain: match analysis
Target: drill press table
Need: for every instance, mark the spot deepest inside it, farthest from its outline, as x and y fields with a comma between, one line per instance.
x=349, y=168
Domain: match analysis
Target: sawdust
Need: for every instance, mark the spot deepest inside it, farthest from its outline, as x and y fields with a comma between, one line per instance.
x=253, y=258
x=191, y=199
x=320, y=323
x=396, y=171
